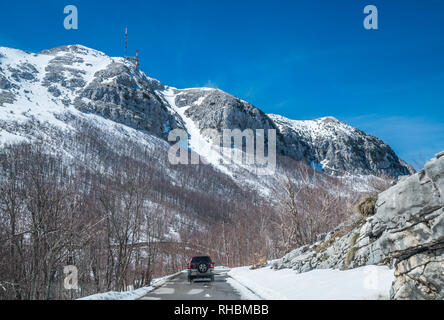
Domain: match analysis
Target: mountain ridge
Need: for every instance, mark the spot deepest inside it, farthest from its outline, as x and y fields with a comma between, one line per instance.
x=112, y=87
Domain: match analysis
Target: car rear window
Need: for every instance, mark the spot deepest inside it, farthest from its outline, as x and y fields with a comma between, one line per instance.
x=201, y=260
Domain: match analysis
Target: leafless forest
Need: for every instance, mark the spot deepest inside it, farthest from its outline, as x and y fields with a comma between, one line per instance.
x=111, y=211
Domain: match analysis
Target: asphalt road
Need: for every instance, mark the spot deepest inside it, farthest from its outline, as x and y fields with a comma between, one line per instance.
x=180, y=289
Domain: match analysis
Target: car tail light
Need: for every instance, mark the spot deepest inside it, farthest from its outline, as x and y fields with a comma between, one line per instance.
x=212, y=266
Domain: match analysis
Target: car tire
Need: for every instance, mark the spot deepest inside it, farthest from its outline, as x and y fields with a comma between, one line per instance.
x=202, y=268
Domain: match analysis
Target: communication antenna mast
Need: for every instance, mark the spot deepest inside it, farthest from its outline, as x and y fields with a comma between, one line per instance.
x=133, y=59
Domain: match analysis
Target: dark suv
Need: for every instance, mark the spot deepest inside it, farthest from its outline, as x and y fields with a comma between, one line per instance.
x=200, y=267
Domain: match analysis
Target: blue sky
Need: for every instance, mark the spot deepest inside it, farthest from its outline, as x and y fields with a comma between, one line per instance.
x=301, y=59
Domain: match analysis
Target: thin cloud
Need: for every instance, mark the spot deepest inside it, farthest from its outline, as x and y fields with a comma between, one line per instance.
x=415, y=139
x=211, y=84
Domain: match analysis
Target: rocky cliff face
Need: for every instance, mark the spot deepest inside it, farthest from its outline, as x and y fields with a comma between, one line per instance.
x=414, y=240
x=336, y=147
x=90, y=81
x=118, y=92
x=406, y=233
x=215, y=109
x=326, y=144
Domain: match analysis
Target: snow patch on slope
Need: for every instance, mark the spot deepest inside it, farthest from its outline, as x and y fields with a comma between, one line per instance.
x=196, y=141
x=365, y=283
x=318, y=128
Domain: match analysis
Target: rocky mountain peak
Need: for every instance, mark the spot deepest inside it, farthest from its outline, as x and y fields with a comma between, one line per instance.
x=75, y=49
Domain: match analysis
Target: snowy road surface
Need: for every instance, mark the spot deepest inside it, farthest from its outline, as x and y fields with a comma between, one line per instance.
x=223, y=288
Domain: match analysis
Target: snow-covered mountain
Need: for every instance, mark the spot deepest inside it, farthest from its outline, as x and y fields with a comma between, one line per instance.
x=79, y=122
x=39, y=93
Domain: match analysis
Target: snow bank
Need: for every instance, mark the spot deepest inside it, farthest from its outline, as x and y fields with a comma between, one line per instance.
x=221, y=268
x=245, y=293
x=130, y=295
x=365, y=283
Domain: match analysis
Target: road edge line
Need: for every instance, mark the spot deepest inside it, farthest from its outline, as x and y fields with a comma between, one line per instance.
x=260, y=298
x=172, y=277
x=162, y=283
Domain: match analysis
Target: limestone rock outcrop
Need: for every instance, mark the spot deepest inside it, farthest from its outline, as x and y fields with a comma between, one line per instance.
x=406, y=233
